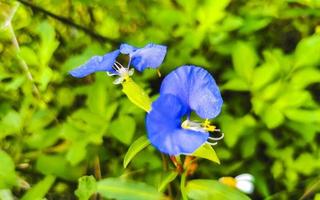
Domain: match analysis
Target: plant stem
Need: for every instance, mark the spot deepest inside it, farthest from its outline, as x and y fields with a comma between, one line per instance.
x=69, y=22
x=183, y=185
x=166, y=168
x=22, y=62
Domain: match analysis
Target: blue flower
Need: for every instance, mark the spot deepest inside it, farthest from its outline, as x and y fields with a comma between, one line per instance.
x=150, y=56
x=186, y=89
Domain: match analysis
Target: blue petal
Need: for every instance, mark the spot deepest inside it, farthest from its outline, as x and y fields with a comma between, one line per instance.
x=196, y=88
x=127, y=49
x=96, y=63
x=164, y=127
x=151, y=56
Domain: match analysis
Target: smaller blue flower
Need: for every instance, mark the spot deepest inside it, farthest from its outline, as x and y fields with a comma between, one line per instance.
x=150, y=56
x=186, y=89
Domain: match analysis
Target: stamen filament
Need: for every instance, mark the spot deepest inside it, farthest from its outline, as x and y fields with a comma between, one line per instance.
x=212, y=144
x=217, y=138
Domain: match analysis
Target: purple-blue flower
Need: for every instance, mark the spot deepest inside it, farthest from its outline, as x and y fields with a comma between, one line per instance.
x=150, y=56
x=186, y=89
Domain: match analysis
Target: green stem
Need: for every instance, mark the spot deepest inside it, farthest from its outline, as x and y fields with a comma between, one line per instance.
x=183, y=185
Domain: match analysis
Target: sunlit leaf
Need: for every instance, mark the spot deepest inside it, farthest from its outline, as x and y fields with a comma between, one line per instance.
x=307, y=51
x=136, y=95
x=201, y=189
x=244, y=60
x=138, y=145
x=115, y=188
x=206, y=151
x=39, y=190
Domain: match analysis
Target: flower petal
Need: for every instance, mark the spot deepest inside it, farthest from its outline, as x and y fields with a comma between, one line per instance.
x=164, y=127
x=151, y=56
x=96, y=63
x=126, y=48
x=196, y=88
x=245, y=186
x=245, y=177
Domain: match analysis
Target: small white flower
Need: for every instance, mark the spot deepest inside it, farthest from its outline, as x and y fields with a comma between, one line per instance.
x=243, y=182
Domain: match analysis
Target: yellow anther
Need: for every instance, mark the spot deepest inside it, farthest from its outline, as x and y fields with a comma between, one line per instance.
x=207, y=126
x=230, y=181
x=159, y=73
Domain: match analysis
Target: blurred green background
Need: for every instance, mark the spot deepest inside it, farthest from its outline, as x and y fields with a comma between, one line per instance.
x=264, y=55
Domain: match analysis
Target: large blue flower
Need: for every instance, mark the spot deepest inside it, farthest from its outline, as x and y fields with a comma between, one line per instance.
x=150, y=56
x=186, y=89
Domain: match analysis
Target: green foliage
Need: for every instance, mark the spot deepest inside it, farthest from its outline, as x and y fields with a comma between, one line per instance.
x=208, y=189
x=86, y=187
x=39, y=190
x=264, y=56
x=207, y=152
x=137, y=146
x=123, y=190
x=8, y=177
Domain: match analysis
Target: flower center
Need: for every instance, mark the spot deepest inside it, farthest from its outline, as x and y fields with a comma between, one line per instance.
x=203, y=128
x=123, y=72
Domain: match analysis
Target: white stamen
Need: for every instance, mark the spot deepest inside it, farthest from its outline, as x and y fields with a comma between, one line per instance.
x=195, y=126
x=217, y=138
x=212, y=143
x=123, y=72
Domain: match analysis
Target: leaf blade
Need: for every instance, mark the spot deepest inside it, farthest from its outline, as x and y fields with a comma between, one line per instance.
x=138, y=145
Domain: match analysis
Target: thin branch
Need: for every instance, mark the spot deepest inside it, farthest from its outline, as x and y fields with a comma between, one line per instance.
x=22, y=62
x=67, y=21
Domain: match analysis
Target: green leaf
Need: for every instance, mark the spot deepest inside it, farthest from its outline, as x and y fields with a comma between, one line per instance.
x=136, y=95
x=11, y=123
x=300, y=81
x=38, y=191
x=115, y=188
x=272, y=117
x=48, y=42
x=167, y=178
x=244, y=60
x=307, y=51
x=5, y=194
x=58, y=166
x=123, y=128
x=304, y=116
x=202, y=189
x=28, y=55
x=236, y=84
x=206, y=151
x=138, y=145
x=8, y=176
x=76, y=153
x=87, y=186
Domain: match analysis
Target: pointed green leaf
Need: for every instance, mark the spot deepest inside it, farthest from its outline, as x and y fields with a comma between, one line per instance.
x=202, y=189
x=136, y=94
x=39, y=190
x=167, y=178
x=207, y=152
x=141, y=143
x=115, y=188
